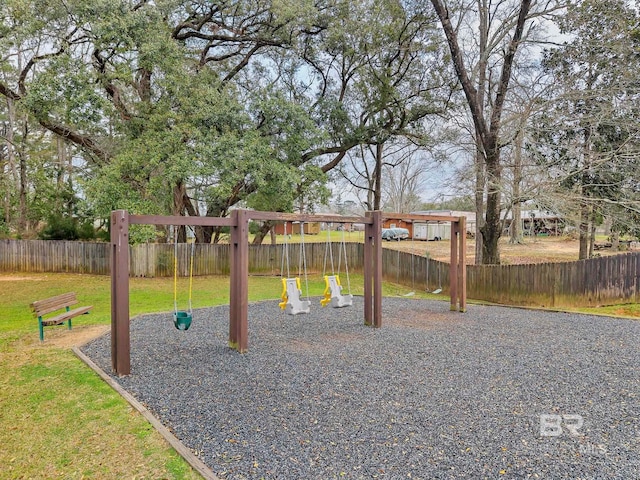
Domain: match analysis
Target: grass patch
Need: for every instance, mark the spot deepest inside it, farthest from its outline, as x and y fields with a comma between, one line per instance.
x=630, y=310
x=321, y=237
x=57, y=417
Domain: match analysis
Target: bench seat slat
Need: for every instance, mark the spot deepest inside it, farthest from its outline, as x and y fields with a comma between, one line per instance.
x=63, y=317
x=48, y=305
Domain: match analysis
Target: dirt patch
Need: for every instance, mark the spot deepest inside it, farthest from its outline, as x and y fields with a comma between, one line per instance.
x=423, y=320
x=322, y=343
x=297, y=345
x=11, y=278
x=339, y=338
x=64, y=338
x=532, y=250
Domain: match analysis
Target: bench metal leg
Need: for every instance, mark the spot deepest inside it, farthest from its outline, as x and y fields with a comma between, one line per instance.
x=41, y=327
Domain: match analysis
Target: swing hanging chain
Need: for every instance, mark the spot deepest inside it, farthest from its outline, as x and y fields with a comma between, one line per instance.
x=346, y=264
x=193, y=246
x=301, y=250
x=340, y=253
x=328, y=248
x=175, y=270
x=324, y=261
x=285, y=253
x=303, y=256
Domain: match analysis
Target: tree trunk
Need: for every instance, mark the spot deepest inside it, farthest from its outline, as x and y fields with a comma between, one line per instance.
x=615, y=241
x=265, y=228
x=22, y=219
x=479, y=201
x=583, y=231
x=60, y=169
x=515, y=229
x=481, y=94
x=178, y=209
x=492, y=228
x=377, y=175
x=6, y=199
x=592, y=236
x=12, y=174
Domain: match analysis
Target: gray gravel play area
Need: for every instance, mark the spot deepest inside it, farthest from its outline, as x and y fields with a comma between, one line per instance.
x=491, y=393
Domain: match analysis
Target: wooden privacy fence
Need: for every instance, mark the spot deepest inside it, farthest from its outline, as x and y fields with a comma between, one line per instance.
x=417, y=272
x=596, y=281
x=603, y=280
x=54, y=256
x=157, y=260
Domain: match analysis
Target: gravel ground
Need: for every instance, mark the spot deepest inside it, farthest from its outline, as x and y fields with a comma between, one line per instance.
x=432, y=394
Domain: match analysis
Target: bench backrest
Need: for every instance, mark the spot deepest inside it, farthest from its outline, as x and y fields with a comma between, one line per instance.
x=48, y=305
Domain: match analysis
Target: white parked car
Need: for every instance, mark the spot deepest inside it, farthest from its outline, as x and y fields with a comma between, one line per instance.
x=395, y=234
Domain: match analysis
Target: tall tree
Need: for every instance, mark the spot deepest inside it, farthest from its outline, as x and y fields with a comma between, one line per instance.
x=588, y=130
x=501, y=27
x=189, y=107
x=399, y=80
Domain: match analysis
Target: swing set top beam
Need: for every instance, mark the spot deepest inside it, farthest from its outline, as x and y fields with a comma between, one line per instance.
x=418, y=217
x=297, y=217
x=179, y=220
x=280, y=217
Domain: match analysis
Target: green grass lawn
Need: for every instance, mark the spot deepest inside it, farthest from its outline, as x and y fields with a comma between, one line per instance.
x=58, y=419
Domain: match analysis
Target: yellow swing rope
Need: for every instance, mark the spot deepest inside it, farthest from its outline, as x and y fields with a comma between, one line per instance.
x=193, y=246
x=175, y=270
x=175, y=273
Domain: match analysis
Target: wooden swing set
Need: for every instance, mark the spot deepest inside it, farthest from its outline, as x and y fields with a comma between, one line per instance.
x=238, y=223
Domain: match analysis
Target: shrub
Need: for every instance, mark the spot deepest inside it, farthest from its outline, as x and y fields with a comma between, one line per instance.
x=67, y=228
x=60, y=228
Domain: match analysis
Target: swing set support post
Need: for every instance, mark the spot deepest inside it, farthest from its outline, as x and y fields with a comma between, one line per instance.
x=453, y=267
x=462, y=264
x=458, y=266
x=120, y=342
x=373, y=270
x=239, y=282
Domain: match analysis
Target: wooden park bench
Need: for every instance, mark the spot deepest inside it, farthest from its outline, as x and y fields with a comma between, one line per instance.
x=54, y=304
